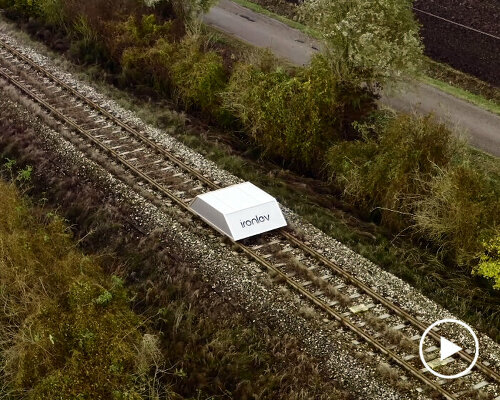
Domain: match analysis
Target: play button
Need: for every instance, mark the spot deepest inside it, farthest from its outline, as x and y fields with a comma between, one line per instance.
x=448, y=348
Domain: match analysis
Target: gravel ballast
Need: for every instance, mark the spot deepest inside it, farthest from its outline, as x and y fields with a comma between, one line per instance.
x=238, y=280
x=234, y=278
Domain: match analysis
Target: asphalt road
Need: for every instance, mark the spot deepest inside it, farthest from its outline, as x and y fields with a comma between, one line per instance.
x=481, y=127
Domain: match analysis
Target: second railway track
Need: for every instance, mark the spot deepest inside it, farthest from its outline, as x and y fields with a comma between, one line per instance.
x=333, y=291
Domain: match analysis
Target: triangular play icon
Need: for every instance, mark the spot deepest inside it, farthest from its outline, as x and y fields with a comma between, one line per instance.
x=448, y=348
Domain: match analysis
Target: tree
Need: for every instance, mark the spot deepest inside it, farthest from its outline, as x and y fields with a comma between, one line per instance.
x=368, y=42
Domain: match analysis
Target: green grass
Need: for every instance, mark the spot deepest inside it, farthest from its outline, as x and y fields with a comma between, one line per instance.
x=445, y=73
x=287, y=21
x=463, y=94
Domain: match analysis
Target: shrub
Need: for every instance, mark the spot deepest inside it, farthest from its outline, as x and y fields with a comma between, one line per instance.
x=150, y=65
x=182, y=70
x=295, y=116
x=52, y=12
x=65, y=329
x=489, y=263
x=27, y=7
x=145, y=30
x=198, y=76
x=136, y=31
x=422, y=180
x=460, y=210
x=387, y=167
x=87, y=48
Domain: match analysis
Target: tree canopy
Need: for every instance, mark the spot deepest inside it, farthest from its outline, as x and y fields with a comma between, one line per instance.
x=372, y=42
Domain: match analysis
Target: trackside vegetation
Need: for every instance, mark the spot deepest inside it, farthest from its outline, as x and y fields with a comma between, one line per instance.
x=408, y=173
x=71, y=330
x=66, y=329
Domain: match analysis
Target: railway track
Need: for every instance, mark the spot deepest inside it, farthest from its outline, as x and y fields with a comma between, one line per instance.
x=334, y=293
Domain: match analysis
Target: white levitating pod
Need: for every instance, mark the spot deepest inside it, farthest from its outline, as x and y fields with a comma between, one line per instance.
x=239, y=211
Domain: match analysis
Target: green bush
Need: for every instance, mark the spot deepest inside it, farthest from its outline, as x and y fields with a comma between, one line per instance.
x=198, y=76
x=29, y=8
x=489, y=263
x=386, y=169
x=295, y=116
x=182, y=70
x=52, y=12
x=137, y=31
x=146, y=30
x=460, y=211
x=87, y=48
x=149, y=66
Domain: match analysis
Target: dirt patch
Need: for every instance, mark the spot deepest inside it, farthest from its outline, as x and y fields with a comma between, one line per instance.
x=463, y=49
x=469, y=51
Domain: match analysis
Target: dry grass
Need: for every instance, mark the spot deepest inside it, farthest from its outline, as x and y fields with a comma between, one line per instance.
x=308, y=312
x=388, y=372
x=165, y=283
x=400, y=339
x=52, y=294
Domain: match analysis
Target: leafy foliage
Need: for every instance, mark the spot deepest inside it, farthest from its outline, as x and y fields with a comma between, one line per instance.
x=461, y=209
x=191, y=76
x=489, y=264
x=198, y=76
x=419, y=178
x=386, y=168
x=367, y=41
x=52, y=11
x=295, y=116
x=189, y=11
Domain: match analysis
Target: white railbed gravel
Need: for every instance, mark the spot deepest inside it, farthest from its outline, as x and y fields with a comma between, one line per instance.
x=226, y=272
x=244, y=282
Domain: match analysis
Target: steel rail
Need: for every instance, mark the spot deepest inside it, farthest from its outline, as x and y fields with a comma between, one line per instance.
x=396, y=309
x=386, y=303
x=245, y=249
x=344, y=321
x=108, y=115
x=314, y=253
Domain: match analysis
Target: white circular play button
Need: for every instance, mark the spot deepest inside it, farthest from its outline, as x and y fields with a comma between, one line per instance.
x=447, y=349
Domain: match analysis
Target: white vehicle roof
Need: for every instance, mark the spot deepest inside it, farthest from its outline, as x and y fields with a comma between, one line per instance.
x=239, y=211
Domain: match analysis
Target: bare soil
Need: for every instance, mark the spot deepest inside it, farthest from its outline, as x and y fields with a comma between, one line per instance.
x=463, y=49
x=466, y=50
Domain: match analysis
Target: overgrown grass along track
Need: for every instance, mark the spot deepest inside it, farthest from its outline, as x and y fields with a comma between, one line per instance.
x=335, y=293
